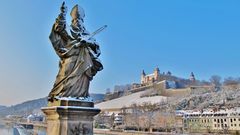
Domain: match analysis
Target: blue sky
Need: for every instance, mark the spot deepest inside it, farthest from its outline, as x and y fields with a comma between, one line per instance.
x=180, y=36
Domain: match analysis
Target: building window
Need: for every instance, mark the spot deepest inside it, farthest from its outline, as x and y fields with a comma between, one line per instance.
x=215, y=125
x=225, y=125
x=235, y=125
x=234, y=119
x=231, y=120
x=225, y=120
x=231, y=125
x=214, y=120
x=239, y=119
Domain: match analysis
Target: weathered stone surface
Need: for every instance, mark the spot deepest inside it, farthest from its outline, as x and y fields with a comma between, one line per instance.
x=78, y=52
x=70, y=103
x=73, y=113
x=70, y=120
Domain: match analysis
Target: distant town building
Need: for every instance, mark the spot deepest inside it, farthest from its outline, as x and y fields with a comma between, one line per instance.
x=35, y=118
x=118, y=119
x=221, y=121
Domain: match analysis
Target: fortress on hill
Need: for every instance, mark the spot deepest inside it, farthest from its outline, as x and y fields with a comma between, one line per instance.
x=157, y=76
x=158, y=81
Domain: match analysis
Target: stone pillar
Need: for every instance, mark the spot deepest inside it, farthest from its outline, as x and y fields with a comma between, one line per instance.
x=70, y=117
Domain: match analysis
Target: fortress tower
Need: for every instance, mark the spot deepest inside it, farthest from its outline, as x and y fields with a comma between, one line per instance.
x=192, y=77
x=143, y=77
x=156, y=74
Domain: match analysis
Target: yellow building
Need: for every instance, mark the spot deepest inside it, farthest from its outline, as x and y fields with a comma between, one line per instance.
x=222, y=121
x=150, y=78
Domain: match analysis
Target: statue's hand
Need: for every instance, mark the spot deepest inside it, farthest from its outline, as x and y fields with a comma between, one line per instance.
x=83, y=41
x=60, y=23
x=79, y=42
x=79, y=45
x=76, y=45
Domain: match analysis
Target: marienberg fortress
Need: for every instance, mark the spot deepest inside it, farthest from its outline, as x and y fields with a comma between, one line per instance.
x=162, y=83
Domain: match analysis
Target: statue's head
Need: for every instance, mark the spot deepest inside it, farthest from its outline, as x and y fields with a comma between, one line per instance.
x=77, y=14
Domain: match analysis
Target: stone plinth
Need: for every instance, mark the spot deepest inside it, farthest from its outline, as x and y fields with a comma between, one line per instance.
x=66, y=117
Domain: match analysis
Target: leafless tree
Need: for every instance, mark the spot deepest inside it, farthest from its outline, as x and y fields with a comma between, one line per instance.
x=216, y=80
x=231, y=81
x=148, y=109
x=133, y=117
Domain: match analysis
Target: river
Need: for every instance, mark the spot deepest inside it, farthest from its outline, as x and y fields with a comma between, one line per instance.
x=4, y=130
x=19, y=130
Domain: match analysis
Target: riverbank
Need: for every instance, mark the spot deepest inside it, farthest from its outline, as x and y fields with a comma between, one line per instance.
x=109, y=132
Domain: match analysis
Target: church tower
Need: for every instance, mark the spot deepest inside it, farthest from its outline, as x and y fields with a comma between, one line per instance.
x=156, y=74
x=143, y=77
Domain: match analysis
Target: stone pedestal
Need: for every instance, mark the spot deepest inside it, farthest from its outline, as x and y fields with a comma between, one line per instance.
x=66, y=117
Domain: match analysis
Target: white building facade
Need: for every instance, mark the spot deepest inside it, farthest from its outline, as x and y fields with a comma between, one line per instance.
x=222, y=121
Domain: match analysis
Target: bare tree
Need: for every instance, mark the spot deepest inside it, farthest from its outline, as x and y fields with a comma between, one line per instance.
x=99, y=119
x=135, y=115
x=216, y=80
x=231, y=81
x=141, y=116
x=148, y=109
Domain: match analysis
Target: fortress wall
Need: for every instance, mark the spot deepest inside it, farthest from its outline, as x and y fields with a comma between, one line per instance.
x=176, y=92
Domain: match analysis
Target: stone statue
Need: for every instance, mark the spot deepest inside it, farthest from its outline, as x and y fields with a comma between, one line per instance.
x=69, y=110
x=78, y=53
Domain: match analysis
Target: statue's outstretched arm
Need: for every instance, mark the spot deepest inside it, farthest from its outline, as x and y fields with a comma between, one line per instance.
x=59, y=36
x=60, y=23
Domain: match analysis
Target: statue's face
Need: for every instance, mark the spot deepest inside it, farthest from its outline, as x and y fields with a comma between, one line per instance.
x=78, y=23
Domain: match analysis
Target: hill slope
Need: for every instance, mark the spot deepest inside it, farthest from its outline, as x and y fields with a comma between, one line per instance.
x=227, y=98
x=2, y=107
x=34, y=106
x=127, y=101
x=25, y=108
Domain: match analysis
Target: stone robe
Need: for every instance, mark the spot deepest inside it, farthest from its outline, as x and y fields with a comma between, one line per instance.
x=77, y=65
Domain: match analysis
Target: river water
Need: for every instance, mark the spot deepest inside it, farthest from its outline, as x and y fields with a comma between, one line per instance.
x=5, y=130
x=18, y=130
